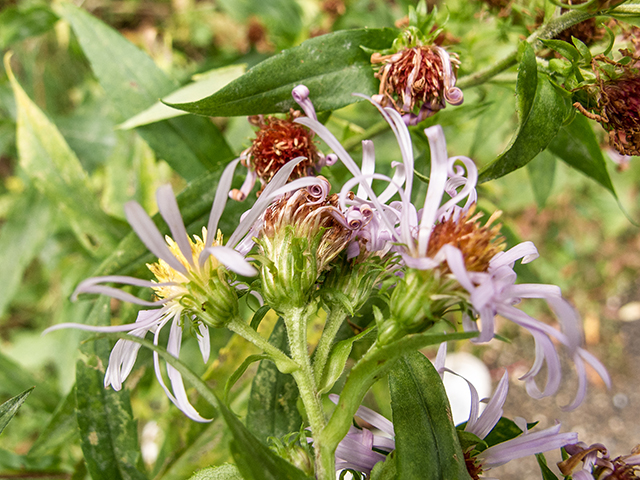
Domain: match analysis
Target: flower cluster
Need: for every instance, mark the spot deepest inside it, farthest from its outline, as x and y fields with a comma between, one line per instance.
x=307, y=245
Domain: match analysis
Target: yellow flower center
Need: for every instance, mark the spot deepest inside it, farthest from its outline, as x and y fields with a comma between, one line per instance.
x=165, y=274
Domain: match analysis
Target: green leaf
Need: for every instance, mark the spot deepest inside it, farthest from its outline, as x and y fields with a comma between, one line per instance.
x=576, y=145
x=133, y=83
x=563, y=48
x=272, y=409
x=504, y=430
x=540, y=116
x=259, y=315
x=60, y=429
x=233, y=378
x=332, y=66
x=585, y=53
x=222, y=472
x=195, y=204
x=206, y=84
x=337, y=360
x=385, y=470
x=108, y=432
x=9, y=408
x=468, y=440
x=56, y=172
x=427, y=444
x=18, y=23
x=546, y=472
x=542, y=171
x=21, y=238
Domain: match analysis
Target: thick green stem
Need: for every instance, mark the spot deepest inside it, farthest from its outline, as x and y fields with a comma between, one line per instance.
x=282, y=361
x=335, y=320
x=546, y=31
x=295, y=320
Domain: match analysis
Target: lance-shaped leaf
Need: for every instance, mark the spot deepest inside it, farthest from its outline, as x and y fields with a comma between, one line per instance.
x=576, y=145
x=56, y=172
x=272, y=410
x=427, y=444
x=332, y=66
x=133, y=82
x=108, y=432
x=9, y=408
x=203, y=86
x=541, y=110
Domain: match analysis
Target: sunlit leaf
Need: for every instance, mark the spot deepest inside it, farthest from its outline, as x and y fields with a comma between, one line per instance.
x=205, y=85
x=332, y=66
x=427, y=445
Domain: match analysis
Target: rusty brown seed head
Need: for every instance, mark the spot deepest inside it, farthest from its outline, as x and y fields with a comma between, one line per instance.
x=277, y=142
x=478, y=243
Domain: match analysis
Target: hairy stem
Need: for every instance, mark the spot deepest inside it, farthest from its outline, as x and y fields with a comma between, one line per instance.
x=335, y=320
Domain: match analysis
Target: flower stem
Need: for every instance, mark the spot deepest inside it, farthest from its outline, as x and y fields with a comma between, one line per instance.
x=282, y=361
x=546, y=31
x=335, y=320
x=295, y=319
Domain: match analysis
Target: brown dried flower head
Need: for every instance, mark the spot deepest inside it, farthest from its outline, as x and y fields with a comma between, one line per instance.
x=310, y=211
x=618, y=105
x=277, y=142
x=417, y=81
x=478, y=243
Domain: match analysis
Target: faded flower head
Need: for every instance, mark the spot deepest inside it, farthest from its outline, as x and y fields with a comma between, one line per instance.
x=617, y=96
x=597, y=464
x=299, y=235
x=278, y=141
x=417, y=81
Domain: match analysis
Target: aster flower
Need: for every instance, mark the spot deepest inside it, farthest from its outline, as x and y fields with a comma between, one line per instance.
x=418, y=81
x=194, y=283
x=481, y=424
x=277, y=142
x=356, y=450
x=454, y=261
x=597, y=464
x=417, y=77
